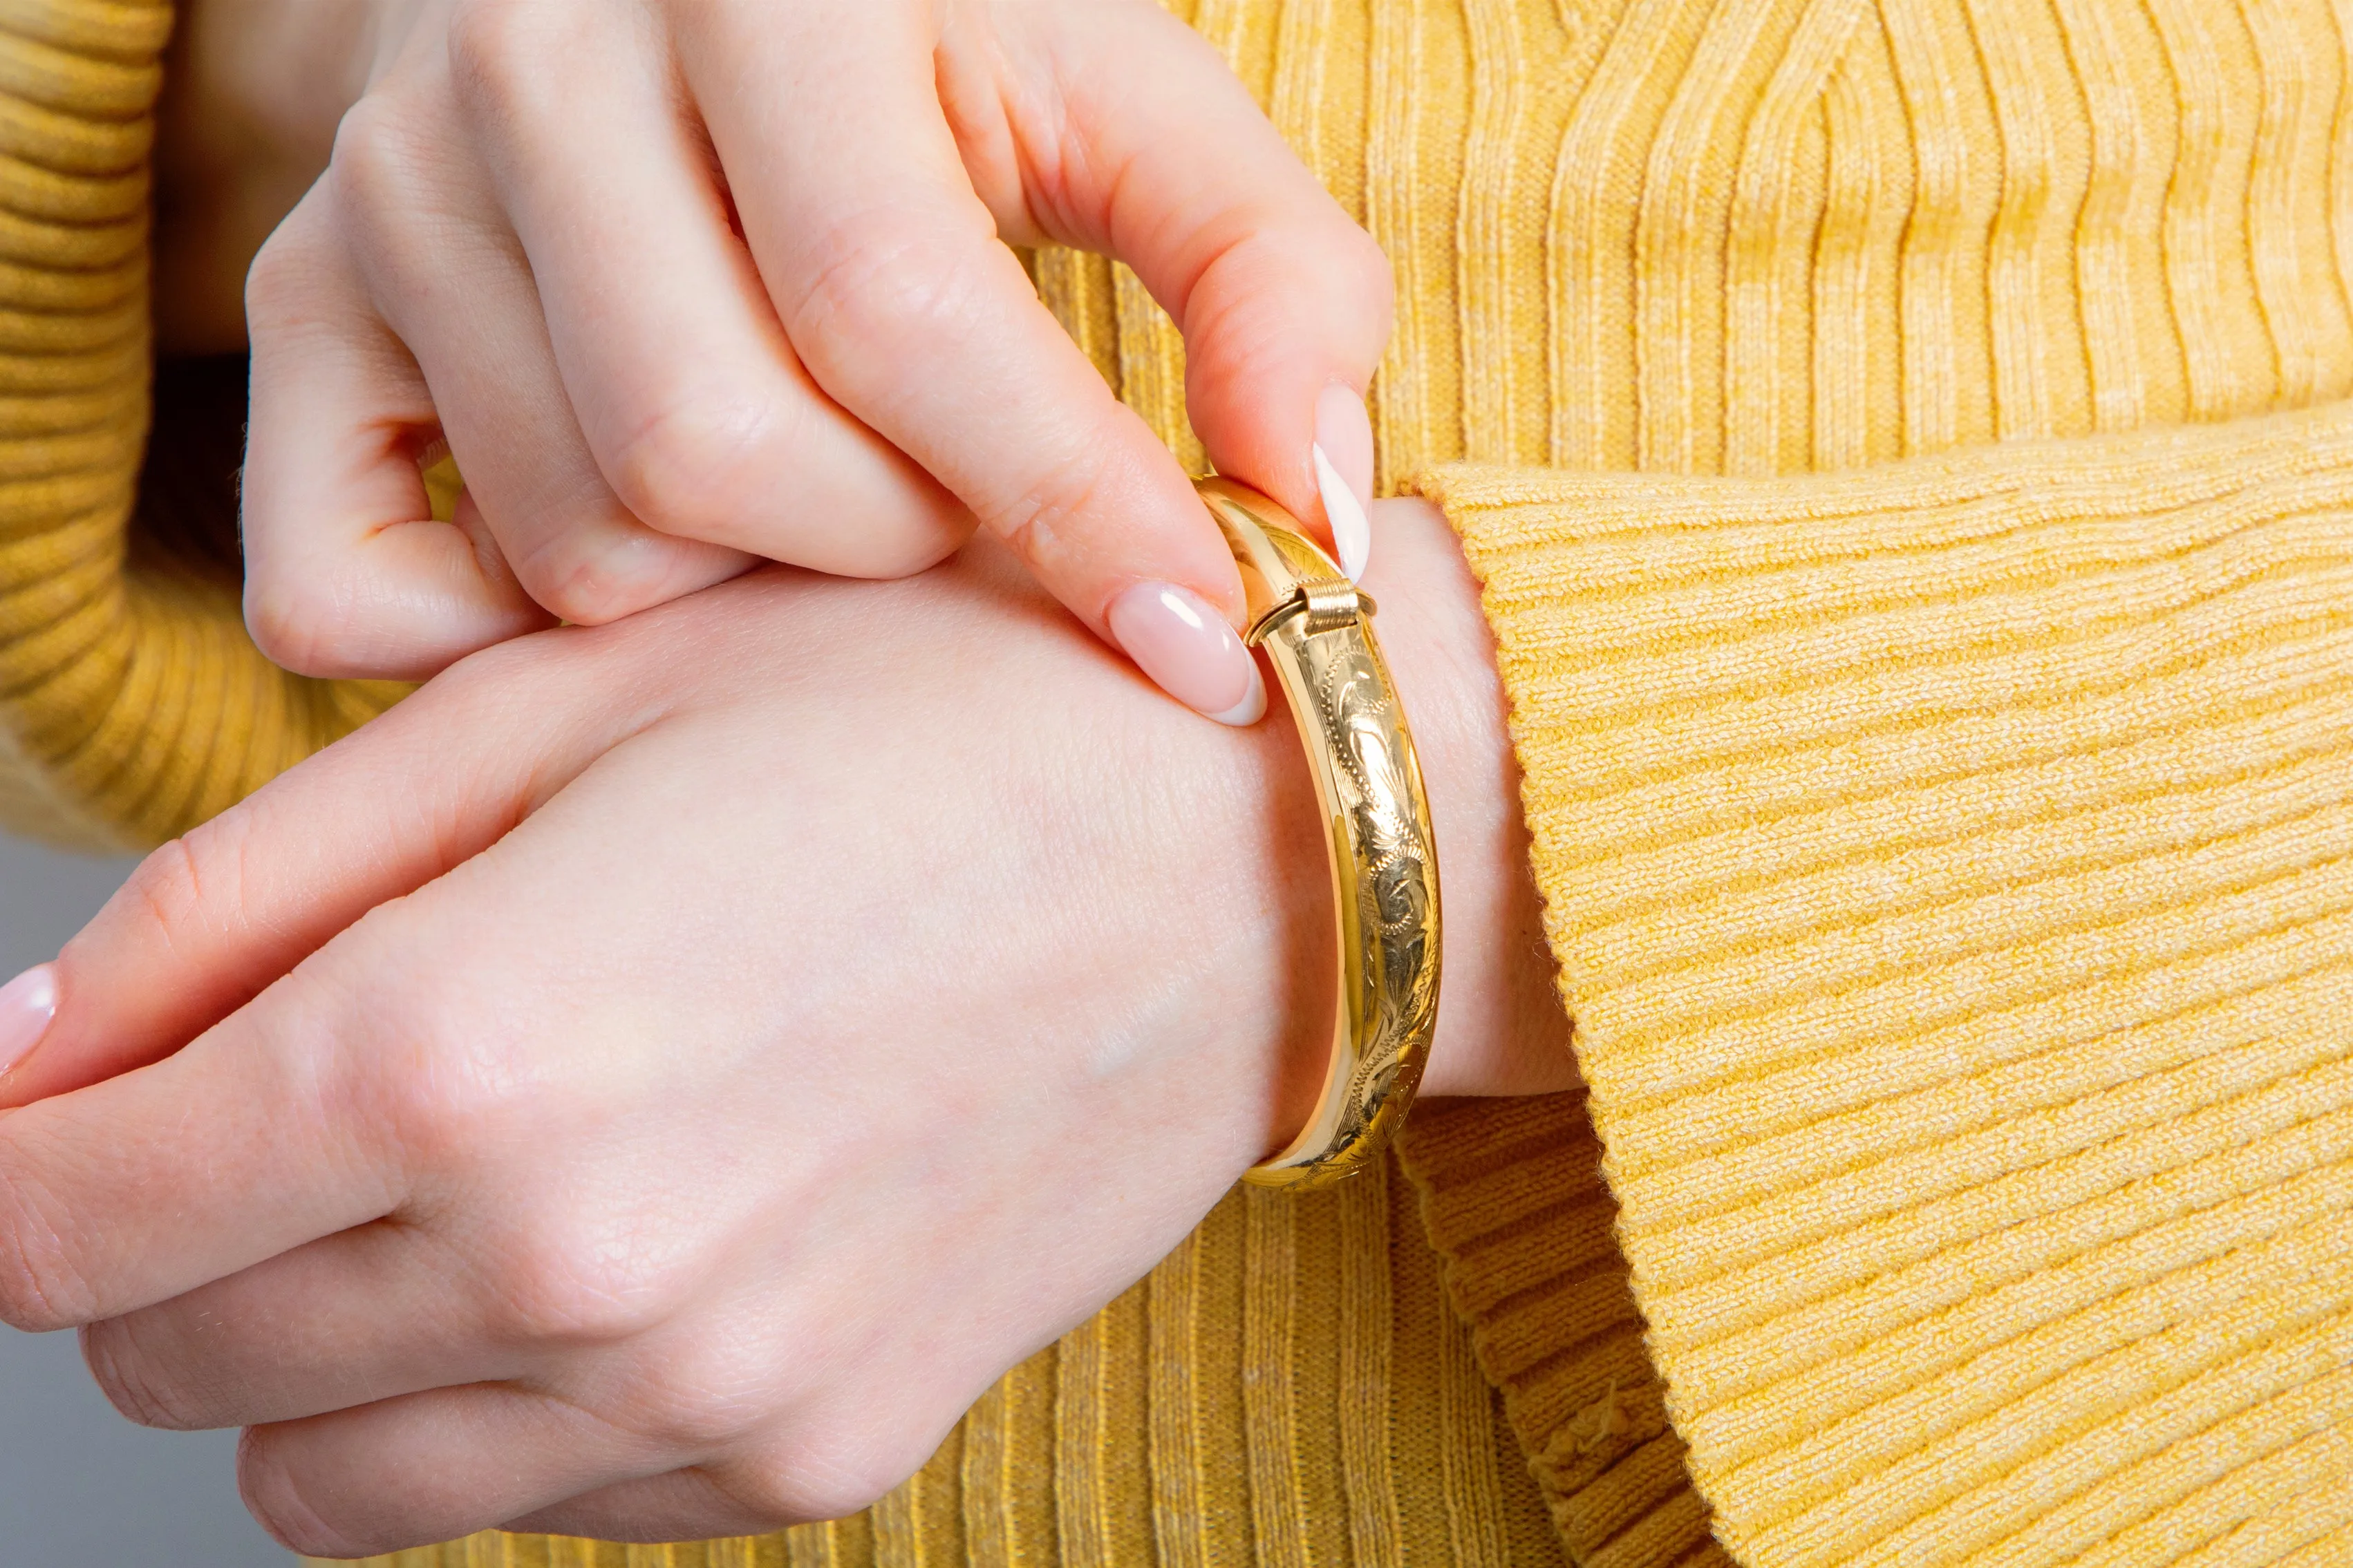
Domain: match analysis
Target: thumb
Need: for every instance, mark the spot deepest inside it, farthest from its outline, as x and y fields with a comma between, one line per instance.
x=1165, y=162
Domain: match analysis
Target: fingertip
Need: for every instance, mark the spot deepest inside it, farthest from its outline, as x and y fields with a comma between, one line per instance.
x=1352, y=531
x=1281, y=410
x=1251, y=707
x=1188, y=649
x=28, y=1006
x=1344, y=429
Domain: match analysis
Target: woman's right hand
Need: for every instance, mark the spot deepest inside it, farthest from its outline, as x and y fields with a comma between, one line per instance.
x=687, y=282
x=651, y=1083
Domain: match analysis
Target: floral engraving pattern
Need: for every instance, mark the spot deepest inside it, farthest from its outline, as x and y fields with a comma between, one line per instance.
x=1396, y=880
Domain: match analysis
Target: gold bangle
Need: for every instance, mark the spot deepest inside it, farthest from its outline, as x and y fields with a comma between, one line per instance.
x=1316, y=628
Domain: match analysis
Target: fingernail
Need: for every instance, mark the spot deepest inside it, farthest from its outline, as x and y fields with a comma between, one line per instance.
x=1342, y=455
x=1350, y=531
x=1189, y=651
x=26, y=1005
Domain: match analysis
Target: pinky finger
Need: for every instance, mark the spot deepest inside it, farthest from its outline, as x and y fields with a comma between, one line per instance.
x=679, y=1505
x=427, y=1467
x=347, y=571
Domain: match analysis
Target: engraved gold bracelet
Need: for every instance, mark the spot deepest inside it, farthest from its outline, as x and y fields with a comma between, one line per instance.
x=1316, y=628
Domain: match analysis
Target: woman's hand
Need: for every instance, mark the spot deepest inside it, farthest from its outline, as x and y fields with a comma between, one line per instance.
x=687, y=282
x=651, y=1083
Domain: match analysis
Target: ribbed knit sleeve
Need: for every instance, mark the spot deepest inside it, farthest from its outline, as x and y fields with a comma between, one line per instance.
x=1950, y=866
x=132, y=705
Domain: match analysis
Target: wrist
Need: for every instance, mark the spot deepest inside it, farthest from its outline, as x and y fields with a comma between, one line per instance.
x=1501, y=1029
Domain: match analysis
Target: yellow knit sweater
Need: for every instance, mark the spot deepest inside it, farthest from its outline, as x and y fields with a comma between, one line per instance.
x=1903, y=449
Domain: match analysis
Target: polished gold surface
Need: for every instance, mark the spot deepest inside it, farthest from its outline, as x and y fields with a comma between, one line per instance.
x=1316, y=628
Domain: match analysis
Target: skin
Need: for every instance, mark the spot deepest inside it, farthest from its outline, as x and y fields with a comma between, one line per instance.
x=635, y=259
x=651, y=1083
x=252, y=93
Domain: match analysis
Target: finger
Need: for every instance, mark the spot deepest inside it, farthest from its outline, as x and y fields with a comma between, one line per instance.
x=372, y=1075
x=208, y=922
x=132, y=1191
x=370, y=1313
x=448, y=275
x=450, y=1292
x=436, y=1466
x=1284, y=303
x=343, y=1094
x=431, y=1467
x=681, y=1505
x=347, y=573
x=701, y=416
x=813, y=1464
x=892, y=283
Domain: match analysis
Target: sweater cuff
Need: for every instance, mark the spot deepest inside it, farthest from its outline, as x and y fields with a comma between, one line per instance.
x=1950, y=866
x=131, y=704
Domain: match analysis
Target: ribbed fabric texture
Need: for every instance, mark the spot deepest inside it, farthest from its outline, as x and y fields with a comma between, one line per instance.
x=1900, y=445
x=1937, y=801
x=1962, y=954
x=1513, y=1192
x=131, y=704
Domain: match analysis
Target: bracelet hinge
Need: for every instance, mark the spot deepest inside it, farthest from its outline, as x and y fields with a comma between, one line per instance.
x=1330, y=605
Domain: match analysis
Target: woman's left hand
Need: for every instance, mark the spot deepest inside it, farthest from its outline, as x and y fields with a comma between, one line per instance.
x=651, y=1082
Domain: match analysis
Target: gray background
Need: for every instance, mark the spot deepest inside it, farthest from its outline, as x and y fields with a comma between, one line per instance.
x=81, y=1486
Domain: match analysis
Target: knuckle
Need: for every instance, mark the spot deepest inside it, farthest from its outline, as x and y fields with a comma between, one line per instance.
x=696, y=463
x=703, y=465
x=1248, y=310
x=364, y=614
x=428, y=1100
x=166, y=891
x=281, y=282
x=1043, y=520
x=1245, y=319
x=437, y=1091
x=882, y=289
x=189, y=884
x=135, y=1383
x=1365, y=267
x=378, y=158
x=904, y=552
x=502, y=52
x=293, y=625
x=569, y=1286
x=832, y=1469
x=593, y=583
x=403, y=199
x=700, y=1405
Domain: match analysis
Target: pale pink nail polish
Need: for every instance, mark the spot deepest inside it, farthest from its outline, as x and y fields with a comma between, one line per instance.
x=1189, y=651
x=27, y=1004
x=1342, y=459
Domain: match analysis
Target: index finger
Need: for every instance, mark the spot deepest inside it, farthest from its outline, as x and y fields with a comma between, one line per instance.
x=887, y=272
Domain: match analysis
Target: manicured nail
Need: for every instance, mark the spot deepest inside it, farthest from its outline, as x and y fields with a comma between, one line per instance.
x=1342, y=455
x=1350, y=530
x=1187, y=648
x=26, y=1005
